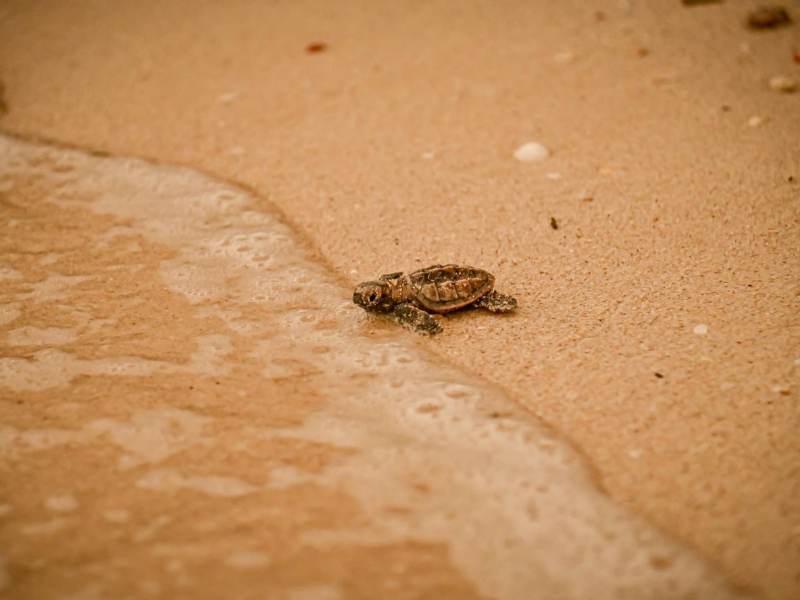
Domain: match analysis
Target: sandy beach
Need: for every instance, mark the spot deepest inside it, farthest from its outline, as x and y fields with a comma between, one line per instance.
x=657, y=342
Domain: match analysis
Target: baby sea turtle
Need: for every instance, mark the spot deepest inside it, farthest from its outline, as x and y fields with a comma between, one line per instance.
x=412, y=297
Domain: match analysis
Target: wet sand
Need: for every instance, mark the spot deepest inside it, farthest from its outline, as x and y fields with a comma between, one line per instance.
x=394, y=149
x=332, y=459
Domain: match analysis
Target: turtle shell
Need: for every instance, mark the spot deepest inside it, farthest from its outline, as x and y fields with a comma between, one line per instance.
x=442, y=288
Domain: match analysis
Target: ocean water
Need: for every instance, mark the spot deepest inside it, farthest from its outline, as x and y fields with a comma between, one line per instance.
x=192, y=407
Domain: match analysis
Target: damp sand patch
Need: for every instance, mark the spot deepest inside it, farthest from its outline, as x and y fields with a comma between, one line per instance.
x=386, y=474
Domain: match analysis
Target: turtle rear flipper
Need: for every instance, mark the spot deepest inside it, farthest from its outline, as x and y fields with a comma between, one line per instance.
x=391, y=276
x=496, y=302
x=414, y=318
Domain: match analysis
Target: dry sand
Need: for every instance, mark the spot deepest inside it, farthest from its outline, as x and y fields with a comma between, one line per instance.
x=393, y=149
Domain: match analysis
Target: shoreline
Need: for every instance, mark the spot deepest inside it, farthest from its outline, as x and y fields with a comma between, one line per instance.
x=410, y=450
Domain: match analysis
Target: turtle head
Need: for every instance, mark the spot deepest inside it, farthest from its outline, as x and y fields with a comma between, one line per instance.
x=375, y=296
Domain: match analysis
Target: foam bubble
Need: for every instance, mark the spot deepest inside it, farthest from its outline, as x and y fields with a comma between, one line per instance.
x=117, y=515
x=55, y=287
x=314, y=592
x=5, y=577
x=63, y=503
x=7, y=273
x=245, y=560
x=9, y=312
x=151, y=436
x=44, y=528
x=150, y=530
x=213, y=485
x=35, y=336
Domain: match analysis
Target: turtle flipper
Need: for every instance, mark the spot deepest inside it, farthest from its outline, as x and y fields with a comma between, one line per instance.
x=390, y=276
x=496, y=302
x=414, y=318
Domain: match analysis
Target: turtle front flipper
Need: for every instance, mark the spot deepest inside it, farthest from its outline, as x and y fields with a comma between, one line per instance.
x=496, y=302
x=414, y=318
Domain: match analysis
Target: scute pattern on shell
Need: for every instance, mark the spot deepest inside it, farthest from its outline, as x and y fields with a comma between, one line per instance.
x=443, y=288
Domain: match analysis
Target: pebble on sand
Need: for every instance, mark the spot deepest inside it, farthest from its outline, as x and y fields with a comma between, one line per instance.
x=316, y=47
x=227, y=98
x=564, y=57
x=531, y=152
x=768, y=17
x=701, y=329
x=779, y=83
x=755, y=121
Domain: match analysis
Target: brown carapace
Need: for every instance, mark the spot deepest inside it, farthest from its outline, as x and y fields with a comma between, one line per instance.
x=412, y=297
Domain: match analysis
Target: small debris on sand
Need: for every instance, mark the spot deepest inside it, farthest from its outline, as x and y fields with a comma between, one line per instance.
x=701, y=329
x=768, y=17
x=531, y=152
x=755, y=121
x=316, y=47
x=606, y=170
x=553, y=176
x=553, y=223
x=782, y=84
x=659, y=375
